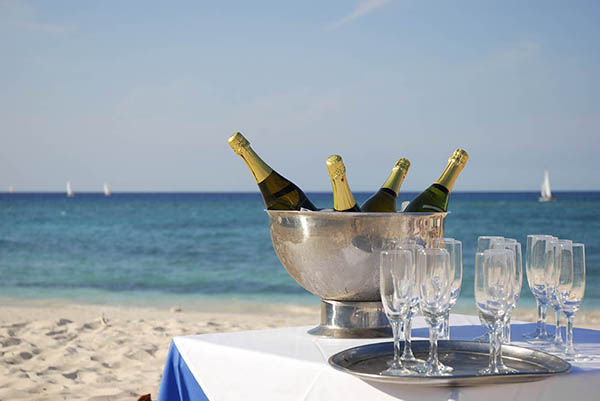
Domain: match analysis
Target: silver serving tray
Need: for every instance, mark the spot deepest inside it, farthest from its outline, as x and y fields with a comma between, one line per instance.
x=466, y=357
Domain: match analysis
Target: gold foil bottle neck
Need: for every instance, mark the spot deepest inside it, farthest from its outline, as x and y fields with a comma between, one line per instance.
x=459, y=156
x=342, y=196
x=403, y=164
x=456, y=163
x=240, y=145
x=336, y=167
x=237, y=141
x=397, y=176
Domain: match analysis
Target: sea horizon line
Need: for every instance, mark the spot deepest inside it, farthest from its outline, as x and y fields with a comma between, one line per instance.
x=307, y=191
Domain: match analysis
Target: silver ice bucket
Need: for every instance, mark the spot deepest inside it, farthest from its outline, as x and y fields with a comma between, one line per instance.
x=335, y=256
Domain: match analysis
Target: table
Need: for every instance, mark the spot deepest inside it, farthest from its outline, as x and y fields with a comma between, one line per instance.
x=289, y=364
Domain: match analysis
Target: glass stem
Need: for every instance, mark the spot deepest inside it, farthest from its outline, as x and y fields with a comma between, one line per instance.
x=557, y=333
x=403, y=329
x=498, y=358
x=539, y=316
x=446, y=327
x=506, y=331
x=408, y=354
x=396, y=332
x=543, y=320
x=570, y=350
x=499, y=333
x=433, y=345
x=494, y=350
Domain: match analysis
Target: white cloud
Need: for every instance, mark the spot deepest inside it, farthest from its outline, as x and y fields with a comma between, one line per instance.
x=364, y=7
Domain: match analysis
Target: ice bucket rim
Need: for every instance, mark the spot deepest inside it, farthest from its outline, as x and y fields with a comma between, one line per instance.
x=343, y=215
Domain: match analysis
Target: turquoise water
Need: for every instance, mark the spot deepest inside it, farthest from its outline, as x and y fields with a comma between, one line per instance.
x=161, y=247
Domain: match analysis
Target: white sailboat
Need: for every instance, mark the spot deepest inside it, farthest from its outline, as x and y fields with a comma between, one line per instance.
x=69, y=190
x=106, y=190
x=11, y=189
x=546, y=194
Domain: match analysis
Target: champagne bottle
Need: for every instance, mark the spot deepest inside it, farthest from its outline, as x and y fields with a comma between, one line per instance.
x=343, y=200
x=435, y=198
x=384, y=200
x=277, y=191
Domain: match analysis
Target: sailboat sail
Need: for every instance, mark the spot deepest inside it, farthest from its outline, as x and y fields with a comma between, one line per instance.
x=69, y=190
x=546, y=193
x=106, y=190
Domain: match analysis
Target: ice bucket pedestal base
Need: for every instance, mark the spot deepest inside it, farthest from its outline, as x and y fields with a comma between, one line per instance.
x=352, y=320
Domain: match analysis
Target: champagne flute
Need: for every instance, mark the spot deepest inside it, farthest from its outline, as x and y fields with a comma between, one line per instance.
x=408, y=358
x=396, y=282
x=454, y=247
x=528, y=260
x=571, y=287
x=412, y=244
x=435, y=282
x=538, y=264
x=494, y=296
x=485, y=242
x=515, y=247
x=562, y=262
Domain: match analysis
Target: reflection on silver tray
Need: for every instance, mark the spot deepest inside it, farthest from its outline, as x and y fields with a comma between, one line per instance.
x=466, y=357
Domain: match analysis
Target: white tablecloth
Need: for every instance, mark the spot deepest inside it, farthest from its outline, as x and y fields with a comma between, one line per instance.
x=289, y=364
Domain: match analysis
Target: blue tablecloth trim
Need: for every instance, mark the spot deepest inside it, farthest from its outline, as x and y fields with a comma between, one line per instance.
x=178, y=382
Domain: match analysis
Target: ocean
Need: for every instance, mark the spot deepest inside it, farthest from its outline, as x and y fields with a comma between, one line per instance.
x=191, y=248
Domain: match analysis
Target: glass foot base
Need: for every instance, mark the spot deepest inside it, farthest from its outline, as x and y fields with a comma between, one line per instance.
x=438, y=369
x=408, y=363
x=537, y=334
x=577, y=357
x=397, y=372
x=542, y=339
x=499, y=370
x=411, y=361
x=555, y=347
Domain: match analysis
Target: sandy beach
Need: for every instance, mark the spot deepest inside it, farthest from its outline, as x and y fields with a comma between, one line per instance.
x=53, y=350
x=57, y=351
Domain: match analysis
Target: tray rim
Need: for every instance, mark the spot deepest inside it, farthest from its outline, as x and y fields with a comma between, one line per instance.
x=458, y=380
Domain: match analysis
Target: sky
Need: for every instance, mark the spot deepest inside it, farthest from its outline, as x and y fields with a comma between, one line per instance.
x=144, y=94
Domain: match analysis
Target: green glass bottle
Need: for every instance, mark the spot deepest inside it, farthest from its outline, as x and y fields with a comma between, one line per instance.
x=343, y=200
x=435, y=198
x=384, y=200
x=278, y=192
